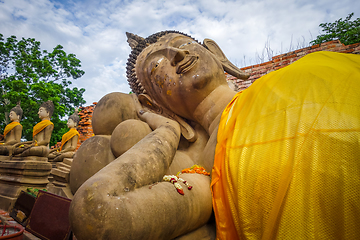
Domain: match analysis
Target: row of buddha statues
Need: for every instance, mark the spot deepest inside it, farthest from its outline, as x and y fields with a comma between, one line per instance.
x=26, y=164
x=13, y=147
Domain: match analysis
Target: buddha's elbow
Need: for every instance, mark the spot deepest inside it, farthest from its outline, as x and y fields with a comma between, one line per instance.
x=87, y=212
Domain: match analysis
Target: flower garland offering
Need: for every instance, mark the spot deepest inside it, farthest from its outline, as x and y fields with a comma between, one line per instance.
x=174, y=180
x=195, y=169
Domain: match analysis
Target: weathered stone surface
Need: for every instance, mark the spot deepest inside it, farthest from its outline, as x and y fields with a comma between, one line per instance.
x=126, y=134
x=59, y=173
x=68, y=161
x=19, y=175
x=120, y=105
x=94, y=154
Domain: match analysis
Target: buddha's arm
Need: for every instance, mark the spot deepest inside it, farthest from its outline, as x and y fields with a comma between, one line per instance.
x=53, y=150
x=46, y=136
x=120, y=202
x=27, y=143
x=16, y=137
x=71, y=144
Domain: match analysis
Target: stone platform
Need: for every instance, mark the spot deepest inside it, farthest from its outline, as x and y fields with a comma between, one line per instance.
x=20, y=173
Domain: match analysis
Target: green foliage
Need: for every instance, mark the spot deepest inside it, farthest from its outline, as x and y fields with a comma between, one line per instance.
x=32, y=76
x=348, y=32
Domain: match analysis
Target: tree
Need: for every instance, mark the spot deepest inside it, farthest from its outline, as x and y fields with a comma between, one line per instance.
x=32, y=76
x=348, y=32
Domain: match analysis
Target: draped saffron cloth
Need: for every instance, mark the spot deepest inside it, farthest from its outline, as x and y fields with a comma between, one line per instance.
x=287, y=161
x=10, y=127
x=67, y=136
x=40, y=126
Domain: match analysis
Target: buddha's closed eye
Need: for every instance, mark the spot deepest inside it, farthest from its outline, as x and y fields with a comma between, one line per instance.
x=156, y=65
x=183, y=45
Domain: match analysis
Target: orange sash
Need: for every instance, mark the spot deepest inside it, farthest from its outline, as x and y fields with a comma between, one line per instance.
x=40, y=126
x=67, y=136
x=287, y=158
x=10, y=127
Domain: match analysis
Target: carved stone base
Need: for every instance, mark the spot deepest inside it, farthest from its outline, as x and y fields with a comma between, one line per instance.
x=19, y=175
x=60, y=175
x=4, y=158
x=30, y=158
x=60, y=189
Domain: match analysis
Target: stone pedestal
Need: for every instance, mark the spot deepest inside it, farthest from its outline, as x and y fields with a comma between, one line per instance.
x=60, y=174
x=20, y=173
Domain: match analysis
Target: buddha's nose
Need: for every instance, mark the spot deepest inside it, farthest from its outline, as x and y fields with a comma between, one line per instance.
x=176, y=55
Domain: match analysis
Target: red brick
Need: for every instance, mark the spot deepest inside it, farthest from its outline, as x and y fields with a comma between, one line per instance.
x=331, y=42
x=330, y=46
x=315, y=46
x=265, y=63
x=290, y=56
x=347, y=51
x=245, y=68
x=353, y=46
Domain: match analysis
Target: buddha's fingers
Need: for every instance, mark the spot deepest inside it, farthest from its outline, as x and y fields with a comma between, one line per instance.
x=155, y=120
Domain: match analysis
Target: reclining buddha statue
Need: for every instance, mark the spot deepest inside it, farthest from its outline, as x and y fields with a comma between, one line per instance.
x=283, y=154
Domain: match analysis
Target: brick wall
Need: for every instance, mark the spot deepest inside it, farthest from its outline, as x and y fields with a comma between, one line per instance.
x=85, y=127
x=282, y=60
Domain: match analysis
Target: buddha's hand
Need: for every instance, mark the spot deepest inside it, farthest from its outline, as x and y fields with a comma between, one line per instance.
x=34, y=143
x=155, y=120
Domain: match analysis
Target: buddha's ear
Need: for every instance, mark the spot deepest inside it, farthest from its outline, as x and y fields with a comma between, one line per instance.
x=148, y=102
x=186, y=130
x=227, y=65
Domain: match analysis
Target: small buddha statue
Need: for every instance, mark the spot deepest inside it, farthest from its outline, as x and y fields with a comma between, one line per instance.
x=42, y=131
x=12, y=131
x=69, y=141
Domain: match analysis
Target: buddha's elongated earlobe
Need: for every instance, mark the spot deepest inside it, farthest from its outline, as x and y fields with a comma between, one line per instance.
x=148, y=102
x=227, y=65
x=186, y=130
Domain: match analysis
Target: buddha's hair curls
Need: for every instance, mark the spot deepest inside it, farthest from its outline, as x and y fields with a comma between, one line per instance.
x=75, y=116
x=49, y=106
x=18, y=110
x=134, y=82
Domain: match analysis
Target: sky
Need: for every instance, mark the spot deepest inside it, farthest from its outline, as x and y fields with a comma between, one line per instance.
x=248, y=32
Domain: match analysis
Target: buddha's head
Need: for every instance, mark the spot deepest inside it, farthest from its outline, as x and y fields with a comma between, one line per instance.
x=46, y=110
x=176, y=72
x=16, y=113
x=74, y=119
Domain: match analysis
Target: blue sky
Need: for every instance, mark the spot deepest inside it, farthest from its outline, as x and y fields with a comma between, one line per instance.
x=95, y=30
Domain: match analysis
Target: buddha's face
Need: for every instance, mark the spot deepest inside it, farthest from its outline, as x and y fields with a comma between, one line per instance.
x=179, y=73
x=71, y=123
x=43, y=113
x=14, y=117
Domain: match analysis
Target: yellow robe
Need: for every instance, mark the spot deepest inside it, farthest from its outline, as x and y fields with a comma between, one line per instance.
x=287, y=162
x=10, y=127
x=40, y=126
x=67, y=136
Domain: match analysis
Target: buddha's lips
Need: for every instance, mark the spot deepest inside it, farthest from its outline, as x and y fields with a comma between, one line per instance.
x=186, y=64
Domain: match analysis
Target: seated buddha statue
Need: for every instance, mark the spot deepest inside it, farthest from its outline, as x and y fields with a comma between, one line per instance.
x=69, y=141
x=42, y=131
x=283, y=154
x=12, y=131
